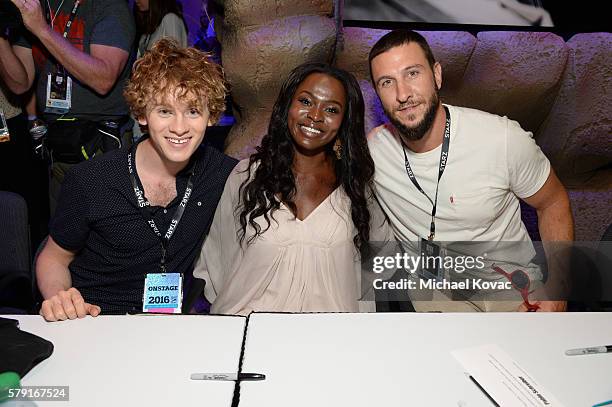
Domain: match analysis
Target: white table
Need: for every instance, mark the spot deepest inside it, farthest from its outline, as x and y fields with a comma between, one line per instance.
x=404, y=359
x=138, y=360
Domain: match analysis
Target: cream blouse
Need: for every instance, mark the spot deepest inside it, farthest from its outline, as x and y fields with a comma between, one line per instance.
x=308, y=265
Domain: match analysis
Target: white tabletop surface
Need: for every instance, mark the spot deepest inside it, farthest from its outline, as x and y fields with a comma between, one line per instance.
x=138, y=360
x=404, y=359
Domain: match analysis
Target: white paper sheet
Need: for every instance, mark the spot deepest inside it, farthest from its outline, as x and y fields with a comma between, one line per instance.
x=504, y=380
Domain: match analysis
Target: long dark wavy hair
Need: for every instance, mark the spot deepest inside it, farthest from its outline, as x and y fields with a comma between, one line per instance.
x=148, y=21
x=273, y=160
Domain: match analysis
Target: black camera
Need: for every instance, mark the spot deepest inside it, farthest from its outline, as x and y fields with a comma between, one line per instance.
x=10, y=17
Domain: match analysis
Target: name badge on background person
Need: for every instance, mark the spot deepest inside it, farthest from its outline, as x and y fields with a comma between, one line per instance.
x=431, y=261
x=59, y=93
x=163, y=293
x=4, y=131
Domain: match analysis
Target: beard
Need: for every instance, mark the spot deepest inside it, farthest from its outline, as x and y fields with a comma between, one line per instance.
x=417, y=131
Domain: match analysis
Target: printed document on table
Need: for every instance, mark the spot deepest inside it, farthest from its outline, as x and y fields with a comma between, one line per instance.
x=504, y=380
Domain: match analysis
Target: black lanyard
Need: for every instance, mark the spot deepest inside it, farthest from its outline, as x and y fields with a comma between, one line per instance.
x=443, y=160
x=145, y=206
x=73, y=14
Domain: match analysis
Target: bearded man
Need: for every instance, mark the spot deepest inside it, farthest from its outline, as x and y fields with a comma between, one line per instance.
x=453, y=174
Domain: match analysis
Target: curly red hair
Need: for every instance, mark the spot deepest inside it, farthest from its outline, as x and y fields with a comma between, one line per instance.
x=187, y=73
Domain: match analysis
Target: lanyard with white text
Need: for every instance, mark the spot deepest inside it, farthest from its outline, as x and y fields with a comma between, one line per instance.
x=443, y=160
x=145, y=206
x=71, y=17
x=73, y=13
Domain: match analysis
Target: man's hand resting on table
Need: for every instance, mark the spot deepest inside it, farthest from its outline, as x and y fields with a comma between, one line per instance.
x=68, y=304
x=55, y=284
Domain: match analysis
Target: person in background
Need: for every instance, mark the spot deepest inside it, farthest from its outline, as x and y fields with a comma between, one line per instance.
x=81, y=54
x=294, y=219
x=156, y=19
x=19, y=172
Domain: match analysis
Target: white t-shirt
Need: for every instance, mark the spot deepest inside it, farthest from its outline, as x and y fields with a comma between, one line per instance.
x=491, y=162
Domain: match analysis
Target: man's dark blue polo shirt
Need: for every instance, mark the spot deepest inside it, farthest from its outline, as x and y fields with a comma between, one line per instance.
x=98, y=217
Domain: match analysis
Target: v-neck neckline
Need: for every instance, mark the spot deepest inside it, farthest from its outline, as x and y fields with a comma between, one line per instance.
x=328, y=197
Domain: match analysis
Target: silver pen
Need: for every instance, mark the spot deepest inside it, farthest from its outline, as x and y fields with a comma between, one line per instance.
x=589, y=351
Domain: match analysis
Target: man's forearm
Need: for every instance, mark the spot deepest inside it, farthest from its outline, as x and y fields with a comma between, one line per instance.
x=52, y=275
x=12, y=71
x=89, y=70
x=557, y=232
x=555, y=222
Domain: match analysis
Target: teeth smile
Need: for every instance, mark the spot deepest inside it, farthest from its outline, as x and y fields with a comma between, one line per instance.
x=178, y=141
x=310, y=130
